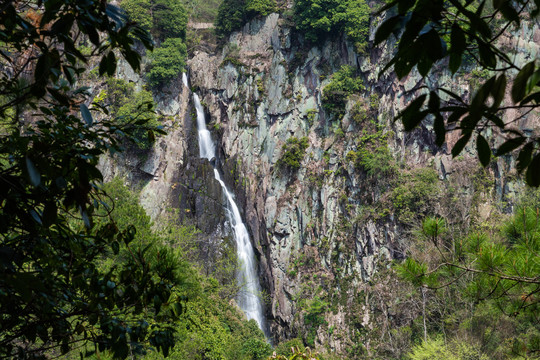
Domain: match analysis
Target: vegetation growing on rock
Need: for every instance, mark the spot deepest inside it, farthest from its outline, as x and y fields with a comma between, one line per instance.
x=167, y=21
x=292, y=153
x=320, y=19
x=344, y=83
x=168, y=62
x=129, y=107
x=233, y=14
x=163, y=18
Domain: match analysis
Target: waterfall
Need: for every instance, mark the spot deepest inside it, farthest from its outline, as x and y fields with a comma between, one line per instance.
x=249, y=297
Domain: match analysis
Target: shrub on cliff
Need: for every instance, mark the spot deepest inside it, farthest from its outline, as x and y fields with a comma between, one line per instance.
x=129, y=106
x=163, y=18
x=233, y=14
x=344, y=83
x=319, y=19
x=292, y=153
x=167, y=62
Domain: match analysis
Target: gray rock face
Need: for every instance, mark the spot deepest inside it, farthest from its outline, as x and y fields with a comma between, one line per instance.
x=264, y=87
x=171, y=174
x=272, y=91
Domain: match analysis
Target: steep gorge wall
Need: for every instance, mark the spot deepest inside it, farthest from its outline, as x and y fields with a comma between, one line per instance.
x=323, y=232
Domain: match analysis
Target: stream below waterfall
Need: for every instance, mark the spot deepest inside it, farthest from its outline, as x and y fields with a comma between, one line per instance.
x=249, y=299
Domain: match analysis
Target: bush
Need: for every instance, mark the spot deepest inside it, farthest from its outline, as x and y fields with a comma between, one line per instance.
x=129, y=106
x=164, y=18
x=417, y=194
x=292, y=153
x=438, y=350
x=233, y=14
x=139, y=11
x=170, y=19
x=335, y=95
x=321, y=18
x=167, y=62
x=314, y=317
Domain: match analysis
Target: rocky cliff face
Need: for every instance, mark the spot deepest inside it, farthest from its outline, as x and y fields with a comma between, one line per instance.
x=321, y=232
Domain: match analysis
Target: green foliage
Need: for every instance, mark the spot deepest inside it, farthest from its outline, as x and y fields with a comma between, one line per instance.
x=233, y=14
x=202, y=10
x=284, y=348
x=292, y=153
x=164, y=18
x=168, y=62
x=313, y=317
x=436, y=349
x=321, y=18
x=170, y=19
x=297, y=354
x=433, y=227
x=130, y=107
x=207, y=327
x=55, y=294
x=259, y=7
x=446, y=33
x=373, y=154
x=498, y=274
x=139, y=11
x=343, y=84
x=416, y=195
x=230, y=17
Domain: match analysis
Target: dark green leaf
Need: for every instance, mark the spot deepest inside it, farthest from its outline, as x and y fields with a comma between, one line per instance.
x=424, y=65
x=460, y=144
x=495, y=119
x=487, y=55
x=510, y=145
x=111, y=64
x=151, y=136
x=456, y=115
x=92, y=34
x=386, y=28
x=35, y=176
x=451, y=94
x=58, y=96
x=535, y=97
x=483, y=149
x=508, y=11
x=133, y=59
x=434, y=102
x=35, y=216
x=49, y=213
x=534, y=81
x=86, y=115
x=115, y=247
x=454, y=62
x=497, y=91
x=524, y=157
x=440, y=130
x=103, y=65
x=412, y=116
x=520, y=82
x=432, y=45
x=533, y=172
x=479, y=99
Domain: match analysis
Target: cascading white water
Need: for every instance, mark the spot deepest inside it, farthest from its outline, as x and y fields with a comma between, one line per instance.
x=248, y=298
